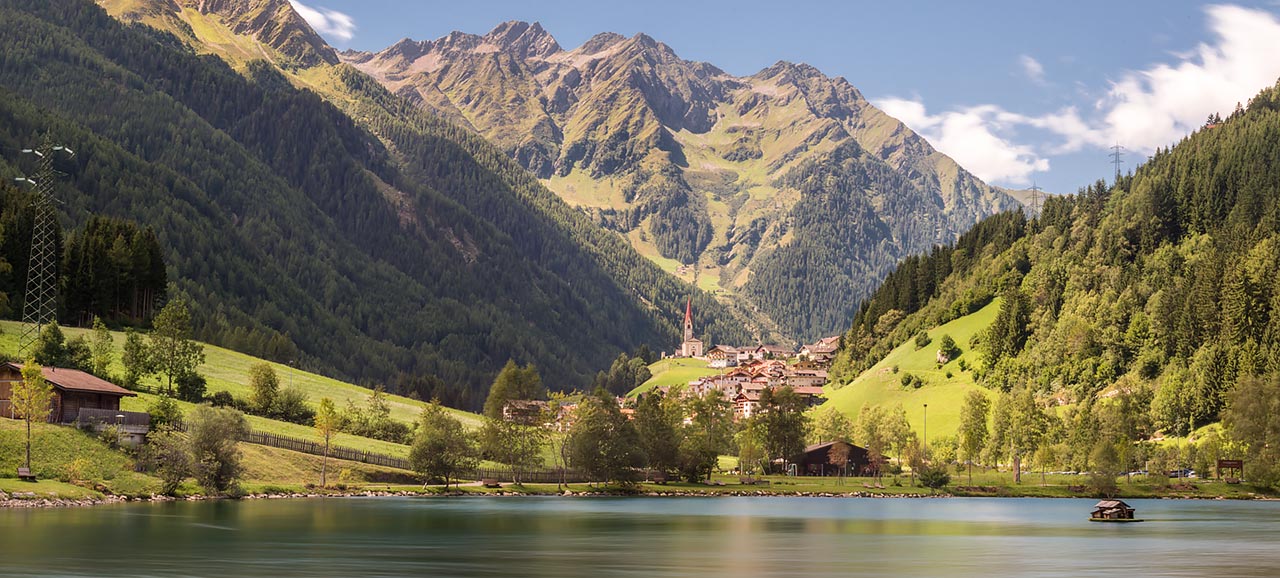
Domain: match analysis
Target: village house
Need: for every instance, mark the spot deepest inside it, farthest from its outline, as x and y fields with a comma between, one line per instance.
x=524, y=411
x=745, y=405
x=772, y=352
x=817, y=460
x=806, y=377
x=822, y=351
x=79, y=397
x=722, y=356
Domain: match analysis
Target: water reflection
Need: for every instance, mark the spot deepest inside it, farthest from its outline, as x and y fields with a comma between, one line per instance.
x=650, y=537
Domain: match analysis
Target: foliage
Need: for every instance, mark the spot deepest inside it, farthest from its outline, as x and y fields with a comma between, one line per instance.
x=102, y=350
x=171, y=347
x=626, y=374
x=441, y=448
x=602, y=443
x=934, y=478
x=191, y=387
x=513, y=444
x=657, y=423
x=265, y=384
x=112, y=269
x=167, y=453
x=52, y=349
x=973, y=427
x=374, y=419
x=327, y=421
x=948, y=348
x=782, y=423
x=213, y=434
x=513, y=383
x=830, y=424
x=164, y=411
x=136, y=359
x=708, y=435
x=31, y=399
x=922, y=339
x=1252, y=419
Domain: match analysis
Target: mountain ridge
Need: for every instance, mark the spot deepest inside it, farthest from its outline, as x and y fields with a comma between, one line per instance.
x=686, y=160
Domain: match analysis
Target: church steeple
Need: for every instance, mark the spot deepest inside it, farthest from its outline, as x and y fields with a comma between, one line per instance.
x=688, y=319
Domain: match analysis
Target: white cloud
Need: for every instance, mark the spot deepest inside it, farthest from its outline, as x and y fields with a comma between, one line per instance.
x=1157, y=106
x=1032, y=68
x=327, y=22
x=974, y=137
x=1143, y=110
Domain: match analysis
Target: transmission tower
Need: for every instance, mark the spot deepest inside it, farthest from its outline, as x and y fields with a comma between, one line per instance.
x=40, y=307
x=1117, y=158
x=1036, y=197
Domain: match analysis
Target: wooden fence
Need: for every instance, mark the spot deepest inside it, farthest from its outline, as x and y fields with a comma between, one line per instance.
x=317, y=448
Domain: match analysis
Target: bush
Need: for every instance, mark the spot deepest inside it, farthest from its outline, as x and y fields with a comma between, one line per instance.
x=922, y=339
x=934, y=478
x=912, y=381
x=290, y=405
x=164, y=411
x=166, y=455
x=223, y=399
x=947, y=347
x=191, y=387
x=213, y=433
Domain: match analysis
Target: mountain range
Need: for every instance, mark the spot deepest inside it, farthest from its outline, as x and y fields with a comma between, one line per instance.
x=786, y=188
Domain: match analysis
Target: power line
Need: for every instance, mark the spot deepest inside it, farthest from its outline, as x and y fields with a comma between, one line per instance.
x=40, y=307
x=1117, y=158
x=1036, y=196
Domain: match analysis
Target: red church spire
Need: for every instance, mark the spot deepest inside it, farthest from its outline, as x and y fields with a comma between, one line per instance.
x=688, y=311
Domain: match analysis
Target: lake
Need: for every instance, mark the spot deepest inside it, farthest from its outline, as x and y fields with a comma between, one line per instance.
x=642, y=537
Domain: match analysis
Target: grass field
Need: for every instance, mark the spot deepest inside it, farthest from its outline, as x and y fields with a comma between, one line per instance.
x=882, y=384
x=675, y=371
x=228, y=370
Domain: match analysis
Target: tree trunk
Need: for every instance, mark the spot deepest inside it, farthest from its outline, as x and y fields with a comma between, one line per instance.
x=28, y=442
x=1017, y=469
x=970, y=472
x=324, y=464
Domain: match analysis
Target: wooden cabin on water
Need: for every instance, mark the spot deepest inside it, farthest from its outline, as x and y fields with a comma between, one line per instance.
x=1112, y=511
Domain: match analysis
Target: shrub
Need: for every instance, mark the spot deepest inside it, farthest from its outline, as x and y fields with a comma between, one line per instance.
x=213, y=434
x=166, y=455
x=191, y=387
x=290, y=405
x=164, y=411
x=934, y=478
x=922, y=339
x=912, y=381
x=222, y=399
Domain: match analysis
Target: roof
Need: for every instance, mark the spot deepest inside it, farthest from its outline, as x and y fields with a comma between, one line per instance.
x=1111, y=504
x=822, y=445
x=773, y=349
x=76, y=380
x=688, y=311
x=808, y=390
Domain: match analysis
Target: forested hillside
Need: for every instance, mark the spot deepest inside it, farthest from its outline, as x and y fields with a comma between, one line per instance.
x=424, y=255
x=1161, y=291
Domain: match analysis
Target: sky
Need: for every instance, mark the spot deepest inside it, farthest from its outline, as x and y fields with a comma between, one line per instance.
x=1020, y=93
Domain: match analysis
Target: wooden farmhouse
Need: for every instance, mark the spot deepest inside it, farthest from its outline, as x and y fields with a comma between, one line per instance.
x=73, y=391
x=817, y=460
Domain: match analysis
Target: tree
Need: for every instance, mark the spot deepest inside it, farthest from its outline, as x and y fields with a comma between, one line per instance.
x=973, y=427
x=264, y=384
x=513, y=444
x=442, y=448
x=214, y=434
x=830, y=424
x=948, y=348
x=657, y=424
x=327, y=421
x=872, y=434
x=167, y=453
x=1021, y=425
x=602, y=443
x=191, y=387
x=103, y=349
x=31, y=399
x=1252, y=419
x=171, y=349
x=783, y=423
x=136, y=359
x=838, y=456
x=708, y=434
x=513, y=382
x=164, y=411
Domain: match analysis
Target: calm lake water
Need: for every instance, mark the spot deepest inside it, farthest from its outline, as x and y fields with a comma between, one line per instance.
x=642, y=537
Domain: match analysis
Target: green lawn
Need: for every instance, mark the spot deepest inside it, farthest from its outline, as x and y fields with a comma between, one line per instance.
x=676, y=371
x=228, y=370
x=882, y=386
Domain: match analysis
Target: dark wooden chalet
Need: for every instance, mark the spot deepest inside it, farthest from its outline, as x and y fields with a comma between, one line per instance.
x=817, y=460
x=1112, y=510
x=73, y=390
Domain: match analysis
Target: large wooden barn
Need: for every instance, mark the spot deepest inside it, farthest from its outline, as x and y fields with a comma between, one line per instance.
x=73, y=390
x=818, y=460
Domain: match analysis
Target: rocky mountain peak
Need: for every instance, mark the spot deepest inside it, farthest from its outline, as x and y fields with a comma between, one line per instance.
x=272, y=22
x=523, y=39
x=601, y=42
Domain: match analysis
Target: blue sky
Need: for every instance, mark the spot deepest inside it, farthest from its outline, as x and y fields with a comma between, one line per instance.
x=1018, y=92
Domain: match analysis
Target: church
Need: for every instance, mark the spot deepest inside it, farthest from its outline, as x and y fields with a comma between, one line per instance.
x=691, y=346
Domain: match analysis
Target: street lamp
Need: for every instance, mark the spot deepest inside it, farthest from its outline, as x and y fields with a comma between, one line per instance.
x=926, y=431
x=119, y=420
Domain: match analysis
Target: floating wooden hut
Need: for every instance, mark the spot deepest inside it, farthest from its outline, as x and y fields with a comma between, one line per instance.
x=1112, y=511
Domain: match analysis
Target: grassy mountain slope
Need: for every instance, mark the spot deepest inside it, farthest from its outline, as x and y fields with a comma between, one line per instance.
x=421, y=253
x=881, y=384
x=1164, y=287
x=707, y=173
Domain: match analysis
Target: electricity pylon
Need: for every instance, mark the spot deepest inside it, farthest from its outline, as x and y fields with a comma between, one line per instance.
x=40, y=306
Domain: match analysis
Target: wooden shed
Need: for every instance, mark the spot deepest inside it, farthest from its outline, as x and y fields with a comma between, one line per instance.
x=73, y=390
x=817, y=460
x=1112, y=511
